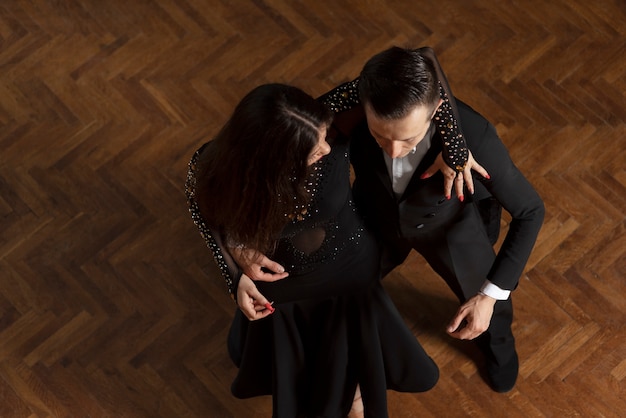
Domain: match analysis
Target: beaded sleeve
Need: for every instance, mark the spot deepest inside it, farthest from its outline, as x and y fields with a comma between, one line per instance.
x=346, y=96
x=228, y=268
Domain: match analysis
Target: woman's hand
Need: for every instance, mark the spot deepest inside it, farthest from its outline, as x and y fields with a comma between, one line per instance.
x=251, y=302
x=456, y=179
x=256, y=265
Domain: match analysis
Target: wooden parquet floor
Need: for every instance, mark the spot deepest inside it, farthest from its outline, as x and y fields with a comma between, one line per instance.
x=111, y=306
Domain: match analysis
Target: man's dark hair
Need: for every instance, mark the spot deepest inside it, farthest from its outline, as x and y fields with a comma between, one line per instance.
x=396, y=80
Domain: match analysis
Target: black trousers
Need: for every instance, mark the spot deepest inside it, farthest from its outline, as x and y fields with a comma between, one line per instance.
x=497, y=343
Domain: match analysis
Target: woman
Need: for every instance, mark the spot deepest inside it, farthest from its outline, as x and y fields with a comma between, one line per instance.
x=270, y=181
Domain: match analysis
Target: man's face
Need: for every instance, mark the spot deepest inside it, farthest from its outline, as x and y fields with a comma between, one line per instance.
x=397, y=137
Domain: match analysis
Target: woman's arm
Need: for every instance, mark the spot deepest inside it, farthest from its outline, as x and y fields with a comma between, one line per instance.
x=228, y=268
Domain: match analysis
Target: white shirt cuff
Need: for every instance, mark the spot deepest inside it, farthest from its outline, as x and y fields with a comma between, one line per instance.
x=493, y=291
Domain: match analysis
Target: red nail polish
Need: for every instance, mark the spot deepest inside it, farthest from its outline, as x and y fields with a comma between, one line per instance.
x=488, y=177
x=448, y=196
x=269, y=307
x=461, y=198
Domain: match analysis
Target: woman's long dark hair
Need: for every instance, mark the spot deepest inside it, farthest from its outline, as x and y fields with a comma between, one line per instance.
x=251, y=178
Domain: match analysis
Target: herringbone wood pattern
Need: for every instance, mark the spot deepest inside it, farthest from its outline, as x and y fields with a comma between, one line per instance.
x=110, y=305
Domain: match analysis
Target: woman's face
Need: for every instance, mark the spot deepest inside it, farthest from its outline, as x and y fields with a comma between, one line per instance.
x=320, y=149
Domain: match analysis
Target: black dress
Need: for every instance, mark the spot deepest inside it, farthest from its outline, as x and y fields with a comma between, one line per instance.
x=334, y=325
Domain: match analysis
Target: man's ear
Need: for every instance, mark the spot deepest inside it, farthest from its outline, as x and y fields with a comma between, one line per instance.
x=439, y=103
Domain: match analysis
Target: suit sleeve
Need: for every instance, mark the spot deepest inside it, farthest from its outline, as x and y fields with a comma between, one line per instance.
x=516, y=195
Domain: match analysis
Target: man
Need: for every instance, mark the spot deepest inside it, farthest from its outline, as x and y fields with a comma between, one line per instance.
x=395, y=144
x=391, y=153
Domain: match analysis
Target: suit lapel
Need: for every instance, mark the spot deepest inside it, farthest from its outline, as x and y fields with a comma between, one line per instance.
x=381, y=171
x=377, y=161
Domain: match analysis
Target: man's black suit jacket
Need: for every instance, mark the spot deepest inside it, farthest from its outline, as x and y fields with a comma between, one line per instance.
x=449, y=233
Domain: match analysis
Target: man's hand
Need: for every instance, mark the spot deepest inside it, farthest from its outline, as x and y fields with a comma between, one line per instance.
x=452, y=178
x=476, y=312
x=251, y=302
x=253, y=262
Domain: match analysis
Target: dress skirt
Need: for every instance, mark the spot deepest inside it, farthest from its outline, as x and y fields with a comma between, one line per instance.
x=333, y=328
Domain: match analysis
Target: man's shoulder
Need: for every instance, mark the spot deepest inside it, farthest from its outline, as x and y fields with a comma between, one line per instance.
x=473, y=125
x=467, y=112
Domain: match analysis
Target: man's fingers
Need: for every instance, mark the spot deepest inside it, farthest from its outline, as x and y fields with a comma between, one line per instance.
x=275, y=271
x=271, y=265
x=269, y=277
x=464, y=326
x=455, y=323
x=463, y=334
x=256, y=272
x=460, y=329
x=467, y=332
